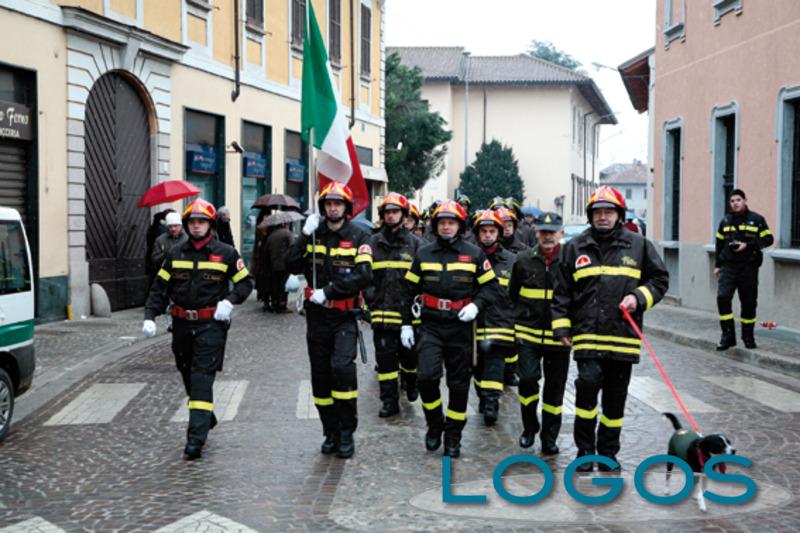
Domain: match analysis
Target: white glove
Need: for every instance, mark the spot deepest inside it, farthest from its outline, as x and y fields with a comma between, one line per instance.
x=407, y=337
x=318, y=297
x=223, y=312
x=292, y=284
x=468, y=313
x=149, y=328
x=312, y=223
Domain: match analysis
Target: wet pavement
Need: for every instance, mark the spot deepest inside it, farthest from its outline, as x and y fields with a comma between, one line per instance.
x=106, y=453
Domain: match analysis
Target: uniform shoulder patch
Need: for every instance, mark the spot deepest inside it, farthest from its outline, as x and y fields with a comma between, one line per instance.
x=239, y=264
x=487, y=265
x=365, y=249
x=583, y=261
x=215, y=258
x=465, y=259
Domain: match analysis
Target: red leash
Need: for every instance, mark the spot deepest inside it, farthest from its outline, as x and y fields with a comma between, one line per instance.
x=664, y=375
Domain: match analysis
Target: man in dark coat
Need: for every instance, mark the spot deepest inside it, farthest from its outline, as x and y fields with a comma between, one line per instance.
x=277, y=245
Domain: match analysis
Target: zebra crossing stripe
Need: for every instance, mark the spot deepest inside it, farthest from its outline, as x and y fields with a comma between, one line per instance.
x=32, y=525
x=655, y=394
x=98, y=404
x=765, y=393
x=205, y=521
x=228, y=396
x=305, y=409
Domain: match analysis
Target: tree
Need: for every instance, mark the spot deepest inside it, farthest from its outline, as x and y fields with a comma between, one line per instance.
x=494, y=172
x=547, y=51
x=409, y=121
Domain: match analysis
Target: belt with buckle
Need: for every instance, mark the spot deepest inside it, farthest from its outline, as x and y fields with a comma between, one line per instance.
x=341, y=305
x=443, y=304
x=207, y=313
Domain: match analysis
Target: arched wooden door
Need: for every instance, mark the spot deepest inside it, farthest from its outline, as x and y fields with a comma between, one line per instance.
x=117, y=174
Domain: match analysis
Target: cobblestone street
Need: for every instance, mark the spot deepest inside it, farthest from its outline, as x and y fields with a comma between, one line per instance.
x=106, y=454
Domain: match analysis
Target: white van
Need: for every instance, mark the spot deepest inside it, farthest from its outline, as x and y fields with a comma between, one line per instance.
x=17, y=360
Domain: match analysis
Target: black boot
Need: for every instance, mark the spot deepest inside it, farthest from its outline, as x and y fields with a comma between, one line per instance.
x=346, y=445
x=728, y=339
x=452, y=447
x=481, y=404
x=549, y=448
x=389, y=408
x=193, y=449
x=490, y=411
x=433, y=438
x=526, y=439
x=748, y=336
x=331, y=444
x=586, y=467
x=603, y=468
x=411, y=392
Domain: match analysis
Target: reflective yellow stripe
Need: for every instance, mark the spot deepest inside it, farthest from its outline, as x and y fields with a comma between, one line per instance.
x=536, y=294
x=720, y=236
x=634, y=273
x=552, y=409
x=722, y=318
x=455, y=415
x=389, y=320
x=495, y=330
x=611, y=422
x=765, y=233
x=648, y=296
x=606, y=338
x=493, y=385
x=408, y=370
x=431, y=266
x=208, y=265
x=513, y=359
x=606, y=347
x=378, y=265
x=239, y=276
x=539, y=340
x=388, y=375
x=503, y=281
x=342, y=251
x=468, y=267
x=413, y=278
x=323, y=401
x=201, y=406
x=387, y=313
x=748, y=320
x=364, y=258
x=486, y=277
x=182, y=264
x=754, y=229
x=432, y=405
x=728, y=229
x=163, y=274
x=585, y=413
x=416, y=321
x=344, y=394
x=526, y=329
x=562, y=323
x=318, y=248
x=494, y=336
x=529, y=400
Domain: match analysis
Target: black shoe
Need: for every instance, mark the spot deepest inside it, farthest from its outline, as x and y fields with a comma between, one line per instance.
x=331, y=443
x=433, y=439
x=490, y=412
x=452, y=447
x=346, y=445
x=586, y=467
x=603, y=468
x=389, y=408
x=511, y=380
x=549, y=448
x=526, y=440
x=726, y=342
x=193, y=450
x=750, y=343
x=412, y=394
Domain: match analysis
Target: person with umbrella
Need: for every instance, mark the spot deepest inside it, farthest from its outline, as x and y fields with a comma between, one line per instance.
x=164, y=242
x=277, y=245
x=224, y=232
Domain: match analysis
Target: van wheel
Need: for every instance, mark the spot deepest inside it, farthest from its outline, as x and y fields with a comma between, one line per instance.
x=6, y=403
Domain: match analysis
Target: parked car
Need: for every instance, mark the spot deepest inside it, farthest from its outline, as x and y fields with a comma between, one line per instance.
x=17, y=359
x=572, y=230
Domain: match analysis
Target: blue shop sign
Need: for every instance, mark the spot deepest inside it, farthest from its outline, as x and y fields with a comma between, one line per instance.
x=255, y=165
x=295, y=171
x=202, y=159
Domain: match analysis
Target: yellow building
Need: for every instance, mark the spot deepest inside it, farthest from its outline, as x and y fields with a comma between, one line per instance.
x=113, y=96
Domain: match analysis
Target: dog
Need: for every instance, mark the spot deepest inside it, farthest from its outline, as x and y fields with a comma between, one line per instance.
x=696, y=450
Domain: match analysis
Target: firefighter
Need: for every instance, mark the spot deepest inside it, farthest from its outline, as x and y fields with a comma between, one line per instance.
x=393, y=250
x=412, y=219
x=454, y=282
x=523, y=231
x=741, y=236
x=196, y=278
x=603, y=270
x=338, y=255
x=531, y=290
x=511, y=239
x=495, y=324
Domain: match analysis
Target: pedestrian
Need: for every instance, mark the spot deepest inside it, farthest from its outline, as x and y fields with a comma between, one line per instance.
x=454, y=281
x=203, y=279
x=277, y=246
x=174, y=236
x=393, y=249
x=156, y=228
x=224, y=232
x=337, y=256
x=495, y=323
x=741, y=237
x=531, y=290
x=603, y=270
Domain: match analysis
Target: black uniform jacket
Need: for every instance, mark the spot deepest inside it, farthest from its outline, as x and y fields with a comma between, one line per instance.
x=454, y=271
x=496, y=322
x=748, y=227
x=387, y=298
x=344, y=260
x=198, y=279
x=514, y=244
x=531, y=291
x=590, y=284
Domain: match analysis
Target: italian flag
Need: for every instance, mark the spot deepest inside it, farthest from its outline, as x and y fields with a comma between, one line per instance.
x=321, y=113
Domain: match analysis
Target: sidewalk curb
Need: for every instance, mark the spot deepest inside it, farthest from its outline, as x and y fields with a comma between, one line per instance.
x=760, y=358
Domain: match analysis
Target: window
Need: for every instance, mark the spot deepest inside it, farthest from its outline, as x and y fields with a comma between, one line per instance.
x=672, y=149
x=256, y=180
x=296, y=158
x=728, y=125
x=724, y=147
x=628, y=194
x=15, y=271
x=725, y=6
x=335, y=31
x=364, y=155
x=795, y=213
x=298, y=23
x=204, y=136
x=366, y=39
x=255, y=13
x=674, y=15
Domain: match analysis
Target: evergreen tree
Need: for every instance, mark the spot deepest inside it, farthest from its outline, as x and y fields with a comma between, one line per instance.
x=547, y=51
x=494, y=172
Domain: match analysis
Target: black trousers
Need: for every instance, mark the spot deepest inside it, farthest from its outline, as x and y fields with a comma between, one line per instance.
x=331, y=337
x=534, y=358
x=612, y=377
x=277, y=290
x=199, y=348
x=447, y=343
x=393, y=361
x=489, y=372
x=744, y=279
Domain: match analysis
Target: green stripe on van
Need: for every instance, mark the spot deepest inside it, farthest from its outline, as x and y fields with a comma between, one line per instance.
x=16, y=333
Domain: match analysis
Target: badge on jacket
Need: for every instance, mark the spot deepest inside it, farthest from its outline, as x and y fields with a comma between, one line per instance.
x=582, y=261
x=215, y=258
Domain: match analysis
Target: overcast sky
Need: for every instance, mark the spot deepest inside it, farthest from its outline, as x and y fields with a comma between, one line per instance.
x=603, y=31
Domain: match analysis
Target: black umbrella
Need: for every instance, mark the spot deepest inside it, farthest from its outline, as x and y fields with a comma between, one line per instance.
x=271, y=201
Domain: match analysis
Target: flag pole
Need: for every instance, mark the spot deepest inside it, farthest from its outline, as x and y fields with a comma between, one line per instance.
x=312, y=186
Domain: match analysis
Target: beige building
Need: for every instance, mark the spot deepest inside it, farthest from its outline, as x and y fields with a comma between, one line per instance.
x=119, y=95
x=548, y=114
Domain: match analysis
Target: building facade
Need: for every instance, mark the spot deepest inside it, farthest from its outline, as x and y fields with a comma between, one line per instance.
x=725, y=110
x=110, y=97
x=549, y=115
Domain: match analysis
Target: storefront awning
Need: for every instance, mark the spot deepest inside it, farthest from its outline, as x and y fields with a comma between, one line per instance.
x=374, y=174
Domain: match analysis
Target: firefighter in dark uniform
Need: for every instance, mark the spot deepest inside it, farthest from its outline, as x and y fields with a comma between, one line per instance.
x=531, y=290
x=603, y=270
x=196, y=278
x=523, y=231
x=454, y=281
x=495, y=325
x=741, y=236
x=343, y=269
x=393, y=250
